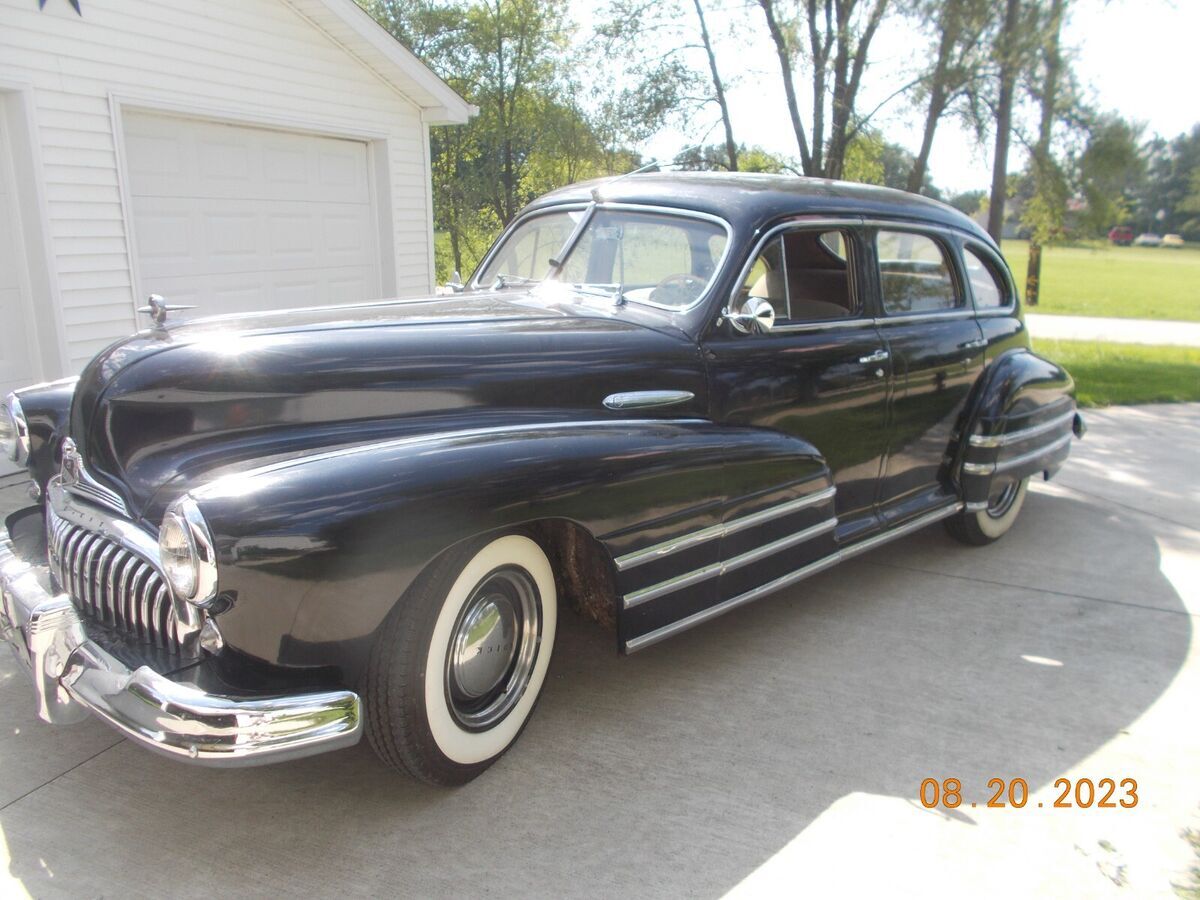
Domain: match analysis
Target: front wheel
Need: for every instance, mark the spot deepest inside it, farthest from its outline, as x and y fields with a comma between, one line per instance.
x=986, y=525
x=458, y=666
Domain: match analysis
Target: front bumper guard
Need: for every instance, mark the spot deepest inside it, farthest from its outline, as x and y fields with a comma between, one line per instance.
x=73, y=676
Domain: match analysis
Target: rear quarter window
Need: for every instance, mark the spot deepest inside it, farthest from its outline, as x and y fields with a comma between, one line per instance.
x=988, y=286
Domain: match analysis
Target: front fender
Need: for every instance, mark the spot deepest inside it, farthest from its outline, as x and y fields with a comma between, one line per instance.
x=1020, y=424
x=315, y=552
x=47, y=409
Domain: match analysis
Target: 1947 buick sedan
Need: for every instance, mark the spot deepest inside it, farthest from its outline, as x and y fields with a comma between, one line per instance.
x=659, y=398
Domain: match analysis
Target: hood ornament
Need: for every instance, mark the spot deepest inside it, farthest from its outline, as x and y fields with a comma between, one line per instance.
x=158, y=309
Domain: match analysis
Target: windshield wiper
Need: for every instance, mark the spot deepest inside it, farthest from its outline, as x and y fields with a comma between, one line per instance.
x=504, y=280
x=615, y=292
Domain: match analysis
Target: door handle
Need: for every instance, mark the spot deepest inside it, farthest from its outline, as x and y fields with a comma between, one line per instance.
x=977, y=344
x=876, y=357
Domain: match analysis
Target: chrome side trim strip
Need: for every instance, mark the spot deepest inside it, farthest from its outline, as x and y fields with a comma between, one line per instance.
x=774, y=512
x=742, y=559
x=236, y=482
x=646, y=399
x=687, y=579
x=660, y=634
x=674, y=545
x=1003, y=440
x=1031, y=456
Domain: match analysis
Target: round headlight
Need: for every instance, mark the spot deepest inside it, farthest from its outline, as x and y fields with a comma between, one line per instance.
x=8, y=434
x=14, y=430
x=177, y=552
x=187, y=553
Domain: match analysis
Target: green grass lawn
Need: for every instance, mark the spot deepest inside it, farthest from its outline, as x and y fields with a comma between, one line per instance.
x=1094, y=278
x=1108, y=374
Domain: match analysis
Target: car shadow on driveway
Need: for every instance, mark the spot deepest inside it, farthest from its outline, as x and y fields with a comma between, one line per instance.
x=677, y=771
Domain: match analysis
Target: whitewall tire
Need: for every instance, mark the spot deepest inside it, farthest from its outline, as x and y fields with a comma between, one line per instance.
x=983, y=526
x=460, y=663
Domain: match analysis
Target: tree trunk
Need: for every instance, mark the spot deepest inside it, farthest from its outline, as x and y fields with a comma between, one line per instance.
x=1033, y=274
x=848, y=66
x=937, y=101
x=719, y=87
x=789, y=88
x=1004, y=105
x=1041, y=153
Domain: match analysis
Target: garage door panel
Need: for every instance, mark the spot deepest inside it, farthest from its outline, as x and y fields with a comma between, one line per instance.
x=197, y=237
x=174, y=157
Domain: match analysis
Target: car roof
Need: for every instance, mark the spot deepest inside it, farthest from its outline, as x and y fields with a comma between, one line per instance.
x=750, y=200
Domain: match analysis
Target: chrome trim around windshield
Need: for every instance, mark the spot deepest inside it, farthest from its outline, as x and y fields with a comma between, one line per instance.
x=592, y=209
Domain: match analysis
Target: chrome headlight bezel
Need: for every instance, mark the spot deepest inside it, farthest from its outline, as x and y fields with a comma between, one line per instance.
x=15, y=445
x=187, y=554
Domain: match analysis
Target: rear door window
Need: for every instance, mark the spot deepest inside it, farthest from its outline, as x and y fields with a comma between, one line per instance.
x=914, y=274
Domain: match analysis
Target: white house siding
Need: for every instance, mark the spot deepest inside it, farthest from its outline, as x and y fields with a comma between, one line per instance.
x=251, y=60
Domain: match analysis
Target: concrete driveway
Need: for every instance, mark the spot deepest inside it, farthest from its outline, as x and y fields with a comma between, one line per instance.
x=778, y=750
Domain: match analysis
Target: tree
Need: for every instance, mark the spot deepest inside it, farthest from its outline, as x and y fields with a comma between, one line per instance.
x=718, y=87
x=1171, y=186
x=1109, y=173
x=715, y=158
x=958, y=64
x=1043, y=215
x=1007, y=51
x=652, y=34
x=839, y=40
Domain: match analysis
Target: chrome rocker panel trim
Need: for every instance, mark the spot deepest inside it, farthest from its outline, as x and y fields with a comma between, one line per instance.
x=661, y=634
x=674, y=545
x=73, y=676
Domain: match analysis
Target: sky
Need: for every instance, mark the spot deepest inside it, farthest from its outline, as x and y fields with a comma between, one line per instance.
x=1134, y=57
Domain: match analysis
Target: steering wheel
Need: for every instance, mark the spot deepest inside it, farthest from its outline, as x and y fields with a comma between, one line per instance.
x=677, y=290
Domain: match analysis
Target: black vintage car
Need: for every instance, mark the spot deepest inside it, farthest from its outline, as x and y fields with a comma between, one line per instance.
x=659, y=398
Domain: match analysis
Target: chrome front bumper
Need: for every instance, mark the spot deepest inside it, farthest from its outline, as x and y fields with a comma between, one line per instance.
x=73, y=676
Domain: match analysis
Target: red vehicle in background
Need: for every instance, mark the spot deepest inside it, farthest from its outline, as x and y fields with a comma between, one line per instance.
x=1121, y=235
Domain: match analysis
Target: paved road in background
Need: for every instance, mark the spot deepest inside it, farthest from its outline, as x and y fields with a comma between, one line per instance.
x=1121, y=331
x=777, y=750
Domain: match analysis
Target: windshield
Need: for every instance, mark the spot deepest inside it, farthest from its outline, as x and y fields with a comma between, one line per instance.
x=656, y=258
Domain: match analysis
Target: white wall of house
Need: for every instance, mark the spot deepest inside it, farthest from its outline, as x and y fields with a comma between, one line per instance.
x=232, y=153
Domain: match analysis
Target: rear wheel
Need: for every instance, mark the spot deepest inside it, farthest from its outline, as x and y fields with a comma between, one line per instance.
x=986, y=525
x=460, y=662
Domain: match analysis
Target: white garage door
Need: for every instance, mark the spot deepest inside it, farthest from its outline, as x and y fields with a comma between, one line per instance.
x=16, y=365
x=234, y=219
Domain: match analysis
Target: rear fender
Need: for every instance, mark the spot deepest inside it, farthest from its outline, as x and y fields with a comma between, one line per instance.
x=1020, y=424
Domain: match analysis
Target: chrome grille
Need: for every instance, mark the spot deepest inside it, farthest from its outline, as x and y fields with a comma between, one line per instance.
x=113, y=584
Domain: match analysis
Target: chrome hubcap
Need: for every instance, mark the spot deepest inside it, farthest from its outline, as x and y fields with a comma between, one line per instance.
x=999, y=504
x=493, y=648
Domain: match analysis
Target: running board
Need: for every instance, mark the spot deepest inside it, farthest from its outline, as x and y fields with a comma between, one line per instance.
x=661, y=634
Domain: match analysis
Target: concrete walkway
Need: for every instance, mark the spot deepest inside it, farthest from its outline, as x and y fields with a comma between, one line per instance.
x=776, y=751
x=1121, y=331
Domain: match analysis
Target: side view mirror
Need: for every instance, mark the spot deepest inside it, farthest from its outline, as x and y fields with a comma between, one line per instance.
x=455, y=283
x=757, y=316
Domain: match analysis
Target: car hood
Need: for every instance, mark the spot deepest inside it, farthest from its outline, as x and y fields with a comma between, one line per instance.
x=171, y=408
